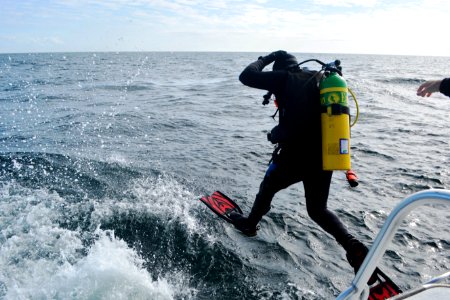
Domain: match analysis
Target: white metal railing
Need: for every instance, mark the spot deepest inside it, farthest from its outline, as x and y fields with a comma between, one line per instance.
x=358, y=289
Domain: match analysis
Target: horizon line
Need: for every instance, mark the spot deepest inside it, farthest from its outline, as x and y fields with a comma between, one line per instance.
x=211, y=51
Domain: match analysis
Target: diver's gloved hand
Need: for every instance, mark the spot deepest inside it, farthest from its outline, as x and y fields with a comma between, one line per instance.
x=268, y=59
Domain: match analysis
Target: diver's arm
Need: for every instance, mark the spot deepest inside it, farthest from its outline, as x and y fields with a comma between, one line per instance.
x=444, y=88
x=429, y=87
x=254, y=77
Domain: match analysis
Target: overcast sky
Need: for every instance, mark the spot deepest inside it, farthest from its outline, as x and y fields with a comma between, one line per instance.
x=413, y=27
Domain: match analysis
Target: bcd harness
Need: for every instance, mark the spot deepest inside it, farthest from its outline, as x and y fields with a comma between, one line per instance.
x=334, y=111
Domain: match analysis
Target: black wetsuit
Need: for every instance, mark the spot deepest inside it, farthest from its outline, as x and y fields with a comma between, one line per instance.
x=444, y=88
x=300, y=157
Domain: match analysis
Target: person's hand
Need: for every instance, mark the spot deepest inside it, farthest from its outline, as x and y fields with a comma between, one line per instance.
x=428, y=88
x=268, y=59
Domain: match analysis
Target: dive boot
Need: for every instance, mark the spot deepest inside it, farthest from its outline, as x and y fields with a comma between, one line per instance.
x=356, y=253
x=241, y=223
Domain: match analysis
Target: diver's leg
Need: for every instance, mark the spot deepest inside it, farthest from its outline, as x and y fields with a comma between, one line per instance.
x=316, y=192
x=317, y=186
x=277, y=177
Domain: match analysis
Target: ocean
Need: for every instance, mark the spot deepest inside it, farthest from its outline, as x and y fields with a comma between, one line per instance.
x=104, y=156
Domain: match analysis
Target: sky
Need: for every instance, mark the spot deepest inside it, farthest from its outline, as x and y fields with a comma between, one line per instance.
x=398, y=27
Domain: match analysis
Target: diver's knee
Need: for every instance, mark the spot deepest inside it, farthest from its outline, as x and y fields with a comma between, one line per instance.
x=315, y=214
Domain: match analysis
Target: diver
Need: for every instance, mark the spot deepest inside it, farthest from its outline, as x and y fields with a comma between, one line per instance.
x=431, y=86
x=298, y=153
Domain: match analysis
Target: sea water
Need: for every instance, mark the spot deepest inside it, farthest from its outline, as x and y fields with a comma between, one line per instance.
x=103, y=157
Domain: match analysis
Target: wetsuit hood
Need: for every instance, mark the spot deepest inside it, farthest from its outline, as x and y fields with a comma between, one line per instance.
x=285, y=62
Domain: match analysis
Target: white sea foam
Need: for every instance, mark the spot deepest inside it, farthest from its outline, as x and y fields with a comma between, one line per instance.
x=162, y=196
x=111, y=270
x=41, y=260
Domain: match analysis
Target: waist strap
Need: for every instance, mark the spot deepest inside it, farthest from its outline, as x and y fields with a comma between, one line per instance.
x=336, y=109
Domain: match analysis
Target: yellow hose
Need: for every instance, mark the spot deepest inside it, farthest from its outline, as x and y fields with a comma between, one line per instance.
x=357, y=107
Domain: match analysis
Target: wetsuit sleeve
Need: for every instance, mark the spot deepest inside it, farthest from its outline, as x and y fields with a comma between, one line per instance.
x=254, y=77
x=444, y=88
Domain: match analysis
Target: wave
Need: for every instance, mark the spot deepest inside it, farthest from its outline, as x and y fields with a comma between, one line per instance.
x=70, y=177
x=83, y=222
x=401, y=80
x=41, y=259
x=126, y=88
x=373, y=153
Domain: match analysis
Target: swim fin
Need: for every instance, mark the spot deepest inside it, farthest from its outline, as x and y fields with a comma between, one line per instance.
x=385, y=287
x=221, y=205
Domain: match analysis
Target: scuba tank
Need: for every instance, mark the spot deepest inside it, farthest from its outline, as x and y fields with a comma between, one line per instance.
x=335, y=116
x=335, y=120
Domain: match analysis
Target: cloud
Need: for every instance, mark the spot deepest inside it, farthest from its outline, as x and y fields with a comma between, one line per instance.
x=43, y=41
x=347, y=3
x=372, y=26
x=10, y=38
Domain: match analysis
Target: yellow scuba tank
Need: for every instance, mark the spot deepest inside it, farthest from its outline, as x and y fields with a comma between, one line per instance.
x=335, y=119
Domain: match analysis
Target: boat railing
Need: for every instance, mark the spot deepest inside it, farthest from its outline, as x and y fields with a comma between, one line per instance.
x=359, y=289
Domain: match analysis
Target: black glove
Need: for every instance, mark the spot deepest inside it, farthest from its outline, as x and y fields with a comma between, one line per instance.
x=268, y=59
